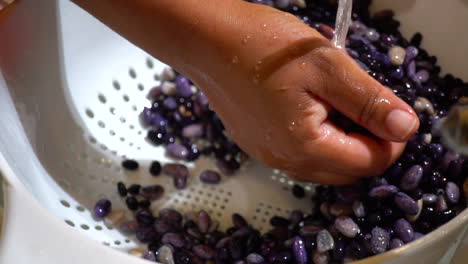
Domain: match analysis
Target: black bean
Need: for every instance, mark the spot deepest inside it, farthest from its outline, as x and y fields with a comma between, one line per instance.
x=155, y=168
x=279, y=221
x=130, y=165
x=238, y=221
x=144, y=203
x=132, y=203
x=134, y=189
x=122, y=189
x=298, y=191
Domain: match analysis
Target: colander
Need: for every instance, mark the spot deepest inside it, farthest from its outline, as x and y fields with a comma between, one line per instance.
x=70, y=95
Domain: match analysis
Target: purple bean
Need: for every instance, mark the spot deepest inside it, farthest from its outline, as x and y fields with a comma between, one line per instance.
x=193, y=130
x=177, y=151
x=170, y=103
x=411, y=178
x=380, y=240
x=411, y=53
x=204, y=251
x=325, y=241
x=347, y=226
x=421, y=76
x=309, y=230
x=223, y=242
x=183, y=86
x=170, y=215
x=406, y=203
x=299, y=250
x=102, y=208
x=180, y=181
x=204, y=221
x=441, y=203
x=163, y=226
x=174, y=169
x=254, y=258
x=149, y=255
x=173, y=239
x=383, y=191
x=146, y=234
x=320, y=257
x=358, y=209
x=452, y=192
x=404, y=230
x=396, y=243
x=152, y=192
x=242, y=232
x=210, y=177
x=295, y=217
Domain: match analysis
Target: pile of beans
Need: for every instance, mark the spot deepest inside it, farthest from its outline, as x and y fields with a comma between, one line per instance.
x=424, y=189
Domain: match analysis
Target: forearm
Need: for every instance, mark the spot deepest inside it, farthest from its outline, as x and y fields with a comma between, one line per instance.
x=200, y=37
x=178, y=33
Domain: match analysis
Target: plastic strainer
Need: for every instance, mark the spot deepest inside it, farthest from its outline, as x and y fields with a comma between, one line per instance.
x=70, y=96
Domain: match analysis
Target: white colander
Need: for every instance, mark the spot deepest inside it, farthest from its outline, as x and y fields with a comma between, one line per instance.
x=70, y=94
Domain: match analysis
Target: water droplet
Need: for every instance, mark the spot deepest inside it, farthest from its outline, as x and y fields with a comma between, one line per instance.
x=292, y=126
x=256, y=79
x=299, y=105
x=275, y=37
x=264, y=26
x=303, y=65
x=258, y=66
x=235, y=60
x=246, y=39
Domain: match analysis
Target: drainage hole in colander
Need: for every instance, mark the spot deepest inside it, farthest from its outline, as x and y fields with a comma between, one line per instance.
x=65, y=203
x=126, y=98
x=102, y=98
x=101, y=124
x=84, y=227
x=106, y=243
x=117, y=242
x=112, y=110
x=70, y=223
x=149, y=63
x=89, y=113
x=98, y=227
x=141, y=87
x=80, y=208
x=122, y=119
x=116, y=85
x=92, y=139
x=112, y=132
x=132, y=73
x=134, y=108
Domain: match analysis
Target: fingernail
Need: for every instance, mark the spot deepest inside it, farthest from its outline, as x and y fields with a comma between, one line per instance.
x=401, y=123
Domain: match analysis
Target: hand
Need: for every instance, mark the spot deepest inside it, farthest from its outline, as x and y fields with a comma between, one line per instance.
x=273, y=81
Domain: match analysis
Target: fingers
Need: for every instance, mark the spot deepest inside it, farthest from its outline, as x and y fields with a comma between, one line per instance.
x=357, y=95
x=340, y=158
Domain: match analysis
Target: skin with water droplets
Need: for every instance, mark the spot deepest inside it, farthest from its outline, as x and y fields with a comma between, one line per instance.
x=252, y=103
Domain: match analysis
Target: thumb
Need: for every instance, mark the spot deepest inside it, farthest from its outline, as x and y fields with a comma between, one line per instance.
x=357, y=95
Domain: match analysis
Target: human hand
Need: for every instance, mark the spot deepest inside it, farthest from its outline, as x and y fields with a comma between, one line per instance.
x=273, y=81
